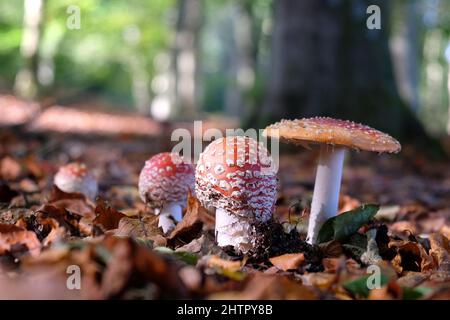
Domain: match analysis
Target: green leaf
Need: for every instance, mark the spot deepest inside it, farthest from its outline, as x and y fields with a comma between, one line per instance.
x=356, y=244
x=185, y=256
x=231, y=274
x=344, y=225
x=188, y=257
x=355, y=251
x=359, y=286
x=415, y=293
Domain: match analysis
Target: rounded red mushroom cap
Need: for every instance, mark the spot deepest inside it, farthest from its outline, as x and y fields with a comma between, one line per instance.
x=237, y=174
x=334, y=132
x=166, y=178
x=76, y=178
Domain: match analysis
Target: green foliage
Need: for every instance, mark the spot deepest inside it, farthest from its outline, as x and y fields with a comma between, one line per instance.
x=344, y=225
x=356, y=245
x=185, y=256
x=94, y=58
x=359, y=286
x=415, y=293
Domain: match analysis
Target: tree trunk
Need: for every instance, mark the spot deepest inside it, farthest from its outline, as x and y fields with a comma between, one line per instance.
x=448, y=90
x=26, y=79
x=326, y=62
x=406, y=46
x=185, y=57
x=242, y=61
x=304, y=58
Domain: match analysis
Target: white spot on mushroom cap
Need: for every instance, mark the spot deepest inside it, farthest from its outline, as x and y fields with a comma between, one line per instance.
x=241, y=187
x=166, y=177
x=219, y=169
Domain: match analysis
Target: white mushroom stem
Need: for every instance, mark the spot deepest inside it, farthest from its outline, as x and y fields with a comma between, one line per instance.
x=169, y=215
x=232, y=230
x=173, y=209
x=326, y=189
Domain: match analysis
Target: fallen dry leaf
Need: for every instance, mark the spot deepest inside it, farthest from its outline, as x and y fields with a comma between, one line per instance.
x=217, y=262
x=388, y=213
x=269, y=287
x=289, y=261
x=57, y=194
x=440, y=252
x=131, y=264
x=191, y=277
x=433, y=223
x=412, y=279
x=403, y=226
x=319, y=279
x=191, y=226
x=13, y=239
x=107, y=216
x=411, y=256
x=28, y=186
x=56, y=223
x=41, y=283
x=111, y=267
x=331, y=249
x=10, y=169
x=331, y=265
x=78, y=206
x=143, y=228
x=34, y=166
x=445, y=230
x=73, y=202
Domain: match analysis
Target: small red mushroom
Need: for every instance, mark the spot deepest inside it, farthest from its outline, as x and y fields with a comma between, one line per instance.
x=76, y=178
x=236, y=176
x=164, y=183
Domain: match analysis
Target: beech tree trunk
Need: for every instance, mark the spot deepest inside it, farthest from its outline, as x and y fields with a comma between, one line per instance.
x=26, y=84
x=241, y=60
x=326, y=62
x=185, y=56
x=448, y=88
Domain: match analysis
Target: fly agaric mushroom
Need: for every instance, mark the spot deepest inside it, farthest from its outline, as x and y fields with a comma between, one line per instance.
x=334, y=137
x=236, y=176
x=76, y=178
x=164, y=183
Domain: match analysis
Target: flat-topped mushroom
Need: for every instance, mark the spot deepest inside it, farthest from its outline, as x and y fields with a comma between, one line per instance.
x=235, y=176
x=334, y=137
x=164, y=184
x=76, y=178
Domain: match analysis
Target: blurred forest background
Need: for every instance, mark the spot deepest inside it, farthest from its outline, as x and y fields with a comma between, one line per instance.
x=255, y=61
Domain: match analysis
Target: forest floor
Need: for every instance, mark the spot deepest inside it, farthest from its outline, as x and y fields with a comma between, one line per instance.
x=122, y=254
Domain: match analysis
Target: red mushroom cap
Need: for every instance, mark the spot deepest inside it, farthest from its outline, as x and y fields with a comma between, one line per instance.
x=76, y=178
x=237, y=174
x=165, y=178
x=74, y=169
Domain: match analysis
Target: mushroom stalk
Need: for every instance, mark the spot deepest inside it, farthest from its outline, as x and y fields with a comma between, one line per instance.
x=232, y=230
x=326, y=189
x=173, y=209
x=169, y=212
